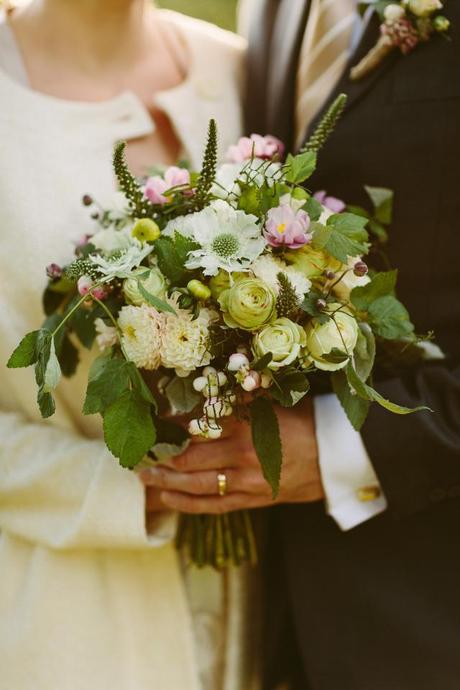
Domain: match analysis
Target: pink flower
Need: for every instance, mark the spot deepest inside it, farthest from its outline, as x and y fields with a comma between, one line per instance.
x=330, y=202
x=84, y=285
x=287, y=227
x=255, y=146
x=156, y=186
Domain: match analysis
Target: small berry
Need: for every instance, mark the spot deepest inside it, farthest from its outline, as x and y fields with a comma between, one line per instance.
x=321, y=304
x=360, y=269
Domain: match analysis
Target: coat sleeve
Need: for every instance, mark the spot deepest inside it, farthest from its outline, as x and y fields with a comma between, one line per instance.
x=64, y=491
x=417, y=457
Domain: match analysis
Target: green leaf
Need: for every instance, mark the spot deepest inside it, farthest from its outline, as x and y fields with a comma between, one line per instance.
x=52, y=374
x=172, y=440
x=358, y=211
x=336, y=356
x=26, y=352
x=155, y=301
x=171, y=259
x=354, y=407
x=381, y=284
x=299, y=168
x=382, y=198
x=321, y=235
x=390, y=319
x=310, y=306
x=267, y=441
x=378, y=230
x=290, y=387
x=129, y=430
x=181, y=395
x=314, y=209
x=364, y=352
x=249, y=199
x=368, y=393
x=262, y=363
x=140, y=385
x=348, y=237
x=43, y=348
x=109, y=378
x=46, y=404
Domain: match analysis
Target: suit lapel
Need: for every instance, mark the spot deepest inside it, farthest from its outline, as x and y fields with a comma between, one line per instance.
x=285, y=47
x=357, y=90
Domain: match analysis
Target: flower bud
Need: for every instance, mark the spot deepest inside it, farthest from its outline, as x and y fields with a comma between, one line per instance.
x=100, y=293
x=330, y=275
x=251, y=382
x=84, y=285
x=441, y=24
x=394, y=12
x=200, y=383
x=237, y=361
x=215, y=407
x=146, y=230
x=199, y=290
x=360, y=269
x=266, y=380
x=54, y=272
x=209, y=371
x=198, y=427
x=321, y=304
x=87, y=200
x=214, y=432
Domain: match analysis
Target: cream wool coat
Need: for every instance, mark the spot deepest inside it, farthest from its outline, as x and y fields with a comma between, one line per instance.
x=88, y=599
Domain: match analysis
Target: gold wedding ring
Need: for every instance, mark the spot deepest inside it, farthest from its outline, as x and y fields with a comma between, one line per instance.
x=222, y=483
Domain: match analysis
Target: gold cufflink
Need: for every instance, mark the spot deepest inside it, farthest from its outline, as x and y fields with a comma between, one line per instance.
x=368, y=493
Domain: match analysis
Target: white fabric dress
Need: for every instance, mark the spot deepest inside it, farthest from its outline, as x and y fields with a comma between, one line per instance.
x=89, y=600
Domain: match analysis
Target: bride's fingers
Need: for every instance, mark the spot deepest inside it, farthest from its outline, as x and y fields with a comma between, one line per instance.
x=206, y=483
x=203, y=456
x=185, y=503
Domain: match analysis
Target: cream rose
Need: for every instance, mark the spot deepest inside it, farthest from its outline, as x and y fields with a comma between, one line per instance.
x=154, y=283
x=339, y=332
x=249, y=304
x=283, y=338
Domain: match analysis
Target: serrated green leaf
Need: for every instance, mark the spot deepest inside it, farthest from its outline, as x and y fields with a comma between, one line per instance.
x=181, y=395
x=109, y=378
x=140, y=385
x=267, y=441
x=381, y=284
x=354, y=407
x=314, y=209
x=299, y=168
x=364, y=352
x=262, y=363
x=171, y=260
x=349, y=236
x=335, y=356
x=26, y=352
x=46, y=404
x=368, y=393
x=382, y=198
x=129, y=430
x=390, y=319
x=155, y=301
x=290, y=387
x=321, y=235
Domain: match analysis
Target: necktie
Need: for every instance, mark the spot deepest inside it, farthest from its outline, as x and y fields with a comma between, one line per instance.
x=323, y=56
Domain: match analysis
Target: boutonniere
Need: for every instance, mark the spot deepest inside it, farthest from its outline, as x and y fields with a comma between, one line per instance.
x=404, y=25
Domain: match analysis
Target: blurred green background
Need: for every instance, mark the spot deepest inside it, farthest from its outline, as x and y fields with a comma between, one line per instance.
x=220, y=12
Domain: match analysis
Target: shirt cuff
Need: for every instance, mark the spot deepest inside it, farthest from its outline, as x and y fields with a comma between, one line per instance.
x=353, y=492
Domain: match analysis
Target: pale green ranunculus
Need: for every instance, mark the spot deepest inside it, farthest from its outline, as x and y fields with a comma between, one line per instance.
x=249, y=304
x=311, y=262
x=283, y=338
x=154, y=283
x=423, y=8
x=339, y=332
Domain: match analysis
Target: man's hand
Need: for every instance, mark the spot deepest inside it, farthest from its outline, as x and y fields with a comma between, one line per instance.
x=188, y=483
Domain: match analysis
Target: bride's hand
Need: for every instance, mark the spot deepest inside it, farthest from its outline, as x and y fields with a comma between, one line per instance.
x=189, y=483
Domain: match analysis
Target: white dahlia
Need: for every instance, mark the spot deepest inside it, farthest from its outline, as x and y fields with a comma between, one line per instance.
x=141, y=335
x=267, y=267
x=185, y=340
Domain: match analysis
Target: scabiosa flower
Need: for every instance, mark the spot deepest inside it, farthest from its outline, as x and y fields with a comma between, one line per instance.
x=228, y=239
x=141, y=335
x=330, y=202
x=255, y=146
x=185, y=340
x=287, y=227
x=156, y=186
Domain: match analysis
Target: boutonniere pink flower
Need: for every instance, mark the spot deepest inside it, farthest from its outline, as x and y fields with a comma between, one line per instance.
x=404, y=25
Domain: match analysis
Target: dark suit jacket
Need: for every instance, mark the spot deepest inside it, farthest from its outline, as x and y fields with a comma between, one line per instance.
x=401, y=130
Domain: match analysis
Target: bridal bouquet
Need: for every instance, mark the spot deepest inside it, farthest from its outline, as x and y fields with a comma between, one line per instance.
x=213, y=294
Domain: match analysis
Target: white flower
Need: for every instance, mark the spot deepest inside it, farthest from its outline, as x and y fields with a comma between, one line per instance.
x=111, y=240
x=106, y=335
x=267, y=267
x=228, y=239
x=350, y=280
x=121, y=266
x=185, y=340
x=394, y=12
x=141, y=335
x=255, y=171
x=423, y=8
x=339, y=332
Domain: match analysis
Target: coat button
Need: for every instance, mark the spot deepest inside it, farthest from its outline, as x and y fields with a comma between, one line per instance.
x=437, y=495
x=454, y=491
